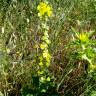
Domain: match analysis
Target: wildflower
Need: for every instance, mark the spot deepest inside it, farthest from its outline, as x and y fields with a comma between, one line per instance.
x=93, y=67
x=46, y=54
x=46, y=40
x=43, y=9
x=43, y=46
x=41, y=64
x=47, y=64
x=46, y=34
x=83, y=37
x=49, y=11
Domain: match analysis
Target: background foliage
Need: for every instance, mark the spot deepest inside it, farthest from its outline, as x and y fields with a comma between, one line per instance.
x=20, y=36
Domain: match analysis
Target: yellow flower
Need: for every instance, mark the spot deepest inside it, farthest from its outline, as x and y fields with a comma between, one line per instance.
x=43, y=46
x=49, y=11
x=47, y=64
x=83, y=37
x=93, y=67
x=43, y=9
x=46, y=54
x=41, y=64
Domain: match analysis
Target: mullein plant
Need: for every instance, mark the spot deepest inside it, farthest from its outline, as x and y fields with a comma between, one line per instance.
x=44, y=12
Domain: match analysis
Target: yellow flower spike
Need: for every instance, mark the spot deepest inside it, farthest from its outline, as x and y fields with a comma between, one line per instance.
x=48, y=41
x=44, y=37
x=46, y=54
x=41, y=64
x=47, y=64
x=43, y=9
x=49, y=11
x=43, y=46
x=41, y=58
x=48, y=59
x=83, y=37
x=46, y=34
x=44, y=59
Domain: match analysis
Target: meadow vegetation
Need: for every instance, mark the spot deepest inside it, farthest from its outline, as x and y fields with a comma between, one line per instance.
x=47, y=47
